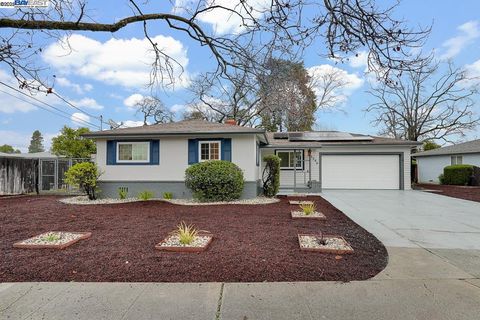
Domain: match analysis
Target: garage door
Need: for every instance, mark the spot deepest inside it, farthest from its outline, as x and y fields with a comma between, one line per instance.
x=360, y=171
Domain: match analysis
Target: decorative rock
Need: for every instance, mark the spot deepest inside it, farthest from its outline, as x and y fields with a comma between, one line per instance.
x=314, y=215
x=297, y=202
x=172, y=243
x=333, y=244
x=52, y=239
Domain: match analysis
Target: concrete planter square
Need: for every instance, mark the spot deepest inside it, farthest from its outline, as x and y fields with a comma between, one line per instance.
x=334, y=244
x=299, y=202
x=52, y=240
x=172, y=244
x=300, y=215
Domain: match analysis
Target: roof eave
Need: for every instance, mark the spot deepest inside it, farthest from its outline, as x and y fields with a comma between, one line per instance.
x=154, y=134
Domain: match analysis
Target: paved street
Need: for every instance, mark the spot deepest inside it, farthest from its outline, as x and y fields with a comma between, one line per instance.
x=433, y=273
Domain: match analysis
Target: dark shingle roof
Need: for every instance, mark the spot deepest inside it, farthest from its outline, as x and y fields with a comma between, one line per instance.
x=180, y=127
x=460, y=148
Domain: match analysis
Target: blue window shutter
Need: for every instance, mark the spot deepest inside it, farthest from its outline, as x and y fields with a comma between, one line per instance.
x=111, y=152
x=227, y=149
x=192, y=151
x=154, y=152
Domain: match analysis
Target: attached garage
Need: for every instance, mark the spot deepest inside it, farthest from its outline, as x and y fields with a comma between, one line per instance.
x=361, y=171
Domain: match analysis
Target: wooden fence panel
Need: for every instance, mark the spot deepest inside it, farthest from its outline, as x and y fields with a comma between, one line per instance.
x=18, y=175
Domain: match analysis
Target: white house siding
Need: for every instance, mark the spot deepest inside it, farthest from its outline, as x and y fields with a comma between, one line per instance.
x=430, y=167
x=174, y=160
x=287, y=177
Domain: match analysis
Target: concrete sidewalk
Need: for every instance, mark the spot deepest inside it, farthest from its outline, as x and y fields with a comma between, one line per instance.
x=416, y=284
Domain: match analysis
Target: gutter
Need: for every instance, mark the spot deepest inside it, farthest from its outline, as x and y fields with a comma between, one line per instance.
x=164, y=134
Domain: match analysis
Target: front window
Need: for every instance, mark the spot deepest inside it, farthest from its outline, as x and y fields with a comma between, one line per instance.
x=287, y=159
x=209, y=150
x=456, y=160
x=133, y=152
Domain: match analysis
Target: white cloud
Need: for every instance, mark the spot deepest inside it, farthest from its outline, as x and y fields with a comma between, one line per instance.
x=132, y=100
x=177, y=107
x=224, y=21
x=21, y=141
x=125, y=62
x=469, y=31
x=351, y=81
x=131, y=123
x=89, y=103
x=80, y=89
x=360, y=60
x=11, y=104
x=79, y=119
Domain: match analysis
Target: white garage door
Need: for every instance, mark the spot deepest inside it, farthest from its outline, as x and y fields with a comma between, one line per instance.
x=360, y=171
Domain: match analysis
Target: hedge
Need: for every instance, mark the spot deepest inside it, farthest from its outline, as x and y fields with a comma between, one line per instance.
x=271, y=175
x=458, y=174
x=215, y=180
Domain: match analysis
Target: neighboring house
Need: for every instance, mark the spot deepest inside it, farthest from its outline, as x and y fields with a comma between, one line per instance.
x=430, y=163
x=155, y=157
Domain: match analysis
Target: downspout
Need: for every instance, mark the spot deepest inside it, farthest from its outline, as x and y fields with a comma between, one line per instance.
x=310, y=168
x=294, y=170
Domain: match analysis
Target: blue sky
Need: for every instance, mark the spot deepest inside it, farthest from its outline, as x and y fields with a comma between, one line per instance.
x=106, y=73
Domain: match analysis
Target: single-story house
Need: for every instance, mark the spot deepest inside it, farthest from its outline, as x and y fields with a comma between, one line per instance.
x=430, y=163
x=154, y=157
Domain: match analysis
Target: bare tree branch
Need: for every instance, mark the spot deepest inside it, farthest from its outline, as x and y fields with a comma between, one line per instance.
x=426, y=104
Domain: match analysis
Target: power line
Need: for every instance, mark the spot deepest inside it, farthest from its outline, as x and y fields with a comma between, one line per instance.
x=70, y=117
x=48, y=105
x=75, y=107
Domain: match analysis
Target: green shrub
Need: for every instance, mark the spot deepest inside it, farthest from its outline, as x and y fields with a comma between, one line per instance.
x=271, y=175
x=441, y=179
x=145, y=195
x=122, y=193
x=85, y=176
x=457, y=174
x=167, y=195
x=215, y=180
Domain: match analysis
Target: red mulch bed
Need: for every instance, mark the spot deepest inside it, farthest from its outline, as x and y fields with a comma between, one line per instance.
x=461, y=192
x=252, y=243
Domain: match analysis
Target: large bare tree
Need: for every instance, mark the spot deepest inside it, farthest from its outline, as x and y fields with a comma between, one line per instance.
x=432, y=103
x=218, y=98
x=154, y=109
x=340, y=27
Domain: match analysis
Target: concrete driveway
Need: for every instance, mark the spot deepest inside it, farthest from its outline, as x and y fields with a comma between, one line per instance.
x=412, y=218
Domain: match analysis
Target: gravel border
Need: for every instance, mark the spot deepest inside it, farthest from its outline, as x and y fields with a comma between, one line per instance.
x=192, y=202
x=298, y=202
x=83, y=200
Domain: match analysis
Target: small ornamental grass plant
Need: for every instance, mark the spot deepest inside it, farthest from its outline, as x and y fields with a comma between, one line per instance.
x=122, y=193
x=167, y=195
x=186, y=233
x=308, y=208
x=52, y=237
x=145, y=195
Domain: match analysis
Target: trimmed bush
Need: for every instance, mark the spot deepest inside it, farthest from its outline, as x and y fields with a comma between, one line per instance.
x=271, y=175
x=215, y=180
x=458, y=174
x=85, y=176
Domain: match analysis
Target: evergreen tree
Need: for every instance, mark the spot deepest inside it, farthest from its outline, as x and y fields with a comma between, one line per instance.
x=36, y=143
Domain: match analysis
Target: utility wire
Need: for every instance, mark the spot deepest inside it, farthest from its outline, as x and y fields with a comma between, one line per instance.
x=69, y=116
x=48, y=105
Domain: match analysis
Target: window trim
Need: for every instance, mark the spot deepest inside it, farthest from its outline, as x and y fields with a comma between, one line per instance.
x=208, y=142
x=456, y=157
x=132, y=143
x=301, y=151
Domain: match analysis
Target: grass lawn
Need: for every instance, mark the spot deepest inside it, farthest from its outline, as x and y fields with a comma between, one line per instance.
x=251, y=243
